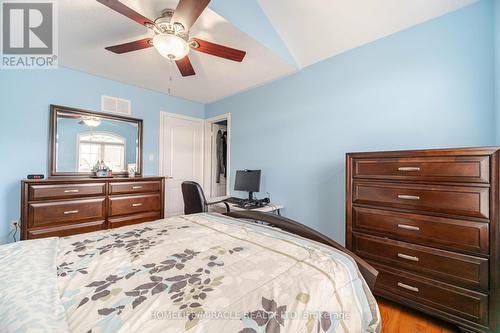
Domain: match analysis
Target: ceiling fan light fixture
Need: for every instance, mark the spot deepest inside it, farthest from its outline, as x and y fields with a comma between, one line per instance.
x=171, y=46
x=90, y=121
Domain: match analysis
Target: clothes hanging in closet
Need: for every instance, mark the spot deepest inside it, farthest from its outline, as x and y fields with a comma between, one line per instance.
x=221, y=144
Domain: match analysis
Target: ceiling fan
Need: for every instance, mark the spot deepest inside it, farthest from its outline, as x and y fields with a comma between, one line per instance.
x=171, y=34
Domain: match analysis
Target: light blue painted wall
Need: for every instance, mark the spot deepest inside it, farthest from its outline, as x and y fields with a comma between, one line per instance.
x=25, y=97
x=429, y=86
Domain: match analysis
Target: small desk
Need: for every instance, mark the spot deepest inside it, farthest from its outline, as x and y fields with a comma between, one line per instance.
x=221, y=207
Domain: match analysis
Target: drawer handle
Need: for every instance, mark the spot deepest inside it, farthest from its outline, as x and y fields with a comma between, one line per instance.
x=405, y=286
x=408, y=227
x=409, y=169
x=136, y=187
x=136, y=204
x=71, y=191
x=408, y=197
x=71, y=212
x=407, y=257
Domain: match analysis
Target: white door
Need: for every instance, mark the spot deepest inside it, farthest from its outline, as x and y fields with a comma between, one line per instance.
x=181, y=157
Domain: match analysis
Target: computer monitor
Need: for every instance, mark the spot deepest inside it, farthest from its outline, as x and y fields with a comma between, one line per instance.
x=247, y=180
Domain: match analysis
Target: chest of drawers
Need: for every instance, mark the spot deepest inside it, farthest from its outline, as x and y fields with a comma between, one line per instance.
x=428, y=220
x=67, y=206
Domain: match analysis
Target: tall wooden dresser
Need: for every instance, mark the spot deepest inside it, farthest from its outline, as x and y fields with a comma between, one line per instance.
x=67, y=206
x=428, y=220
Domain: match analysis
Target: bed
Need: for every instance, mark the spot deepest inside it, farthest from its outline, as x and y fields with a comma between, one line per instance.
x=193, y=273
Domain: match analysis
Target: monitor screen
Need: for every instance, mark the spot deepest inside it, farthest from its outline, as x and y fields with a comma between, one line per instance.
x=247, y=180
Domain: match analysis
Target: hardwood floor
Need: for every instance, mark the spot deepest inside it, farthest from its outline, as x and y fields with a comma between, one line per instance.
x=399, y=319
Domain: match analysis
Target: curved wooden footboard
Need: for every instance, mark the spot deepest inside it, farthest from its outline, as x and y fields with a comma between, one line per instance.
x=369, y=273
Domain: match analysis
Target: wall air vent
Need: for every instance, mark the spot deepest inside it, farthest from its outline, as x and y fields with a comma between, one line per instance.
x=115, y=105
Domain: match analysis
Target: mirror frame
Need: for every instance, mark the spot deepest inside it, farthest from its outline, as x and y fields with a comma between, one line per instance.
x=56, y=109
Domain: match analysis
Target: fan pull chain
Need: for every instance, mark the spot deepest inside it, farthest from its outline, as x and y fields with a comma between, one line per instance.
x=170, y=80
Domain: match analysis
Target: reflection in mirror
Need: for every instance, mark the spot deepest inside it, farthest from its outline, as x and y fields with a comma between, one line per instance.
x=83, y=139
x=93, y=147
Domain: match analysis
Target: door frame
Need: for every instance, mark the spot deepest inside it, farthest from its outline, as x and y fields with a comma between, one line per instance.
x=161, y=157
x=208, y=152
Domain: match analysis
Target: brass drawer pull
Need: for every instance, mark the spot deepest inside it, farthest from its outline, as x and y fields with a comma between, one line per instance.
x=408, y=227
x=405, y=286
x=408, y=169
x=136, y=204
x=407, y=257
x=408, y=197
x=71, y=191
x=71, y=212
x=136, y=187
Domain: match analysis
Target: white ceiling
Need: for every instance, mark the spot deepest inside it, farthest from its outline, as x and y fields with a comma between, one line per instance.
x=312, y=30
x=318, y=29
x=86, y=27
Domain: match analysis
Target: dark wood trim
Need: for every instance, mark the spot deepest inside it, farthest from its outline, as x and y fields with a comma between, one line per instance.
x=163, y=199
x=459, y=321
x=467, y=151
x=55, y=190
x=439, y=177
x=348, y=201
x=495, y=242
x=63, y=231
x=460, y=269
x=368, y=272
x=77, y=180
x=24, y=211
x=54, y=109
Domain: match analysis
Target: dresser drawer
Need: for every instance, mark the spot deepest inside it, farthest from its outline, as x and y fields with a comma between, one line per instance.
x=446, y=266
x=120, y=221
x=134, y=187
x=474, y=169
x=455, y=200
x=445, y=233
x=46, y=213
x=46, y=192
x=66, y=230
x=134, y=204
x=460, y=302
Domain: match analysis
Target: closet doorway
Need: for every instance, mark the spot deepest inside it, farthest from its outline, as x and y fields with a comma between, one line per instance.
x=217, y=156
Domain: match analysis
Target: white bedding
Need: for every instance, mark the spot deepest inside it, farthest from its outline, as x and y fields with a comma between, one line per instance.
x=197, y=273
x=29, y=297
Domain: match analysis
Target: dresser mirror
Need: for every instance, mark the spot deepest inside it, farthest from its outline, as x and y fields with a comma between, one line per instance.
x=80, y=139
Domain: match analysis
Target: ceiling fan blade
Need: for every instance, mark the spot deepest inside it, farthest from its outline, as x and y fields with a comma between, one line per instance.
x=188, y=11
x=185, y=66
x=132, y=46
x=119, y=7
x=218, y=50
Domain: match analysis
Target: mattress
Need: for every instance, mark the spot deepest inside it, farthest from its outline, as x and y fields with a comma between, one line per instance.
x=195, y=273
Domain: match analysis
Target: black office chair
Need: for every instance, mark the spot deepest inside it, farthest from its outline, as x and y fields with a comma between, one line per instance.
x=194, y=199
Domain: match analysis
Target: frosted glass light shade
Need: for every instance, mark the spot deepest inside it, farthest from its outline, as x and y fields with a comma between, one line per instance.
x=170, y=46
x=92, y=122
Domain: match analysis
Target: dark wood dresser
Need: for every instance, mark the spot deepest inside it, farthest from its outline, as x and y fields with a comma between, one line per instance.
x=67, y=206
x=428, y=220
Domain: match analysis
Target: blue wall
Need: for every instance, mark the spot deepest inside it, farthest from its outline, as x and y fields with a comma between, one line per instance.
x=25, y=97
x=429, y=86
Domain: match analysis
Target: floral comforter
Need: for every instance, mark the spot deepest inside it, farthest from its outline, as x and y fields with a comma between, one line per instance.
x=196, y=273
